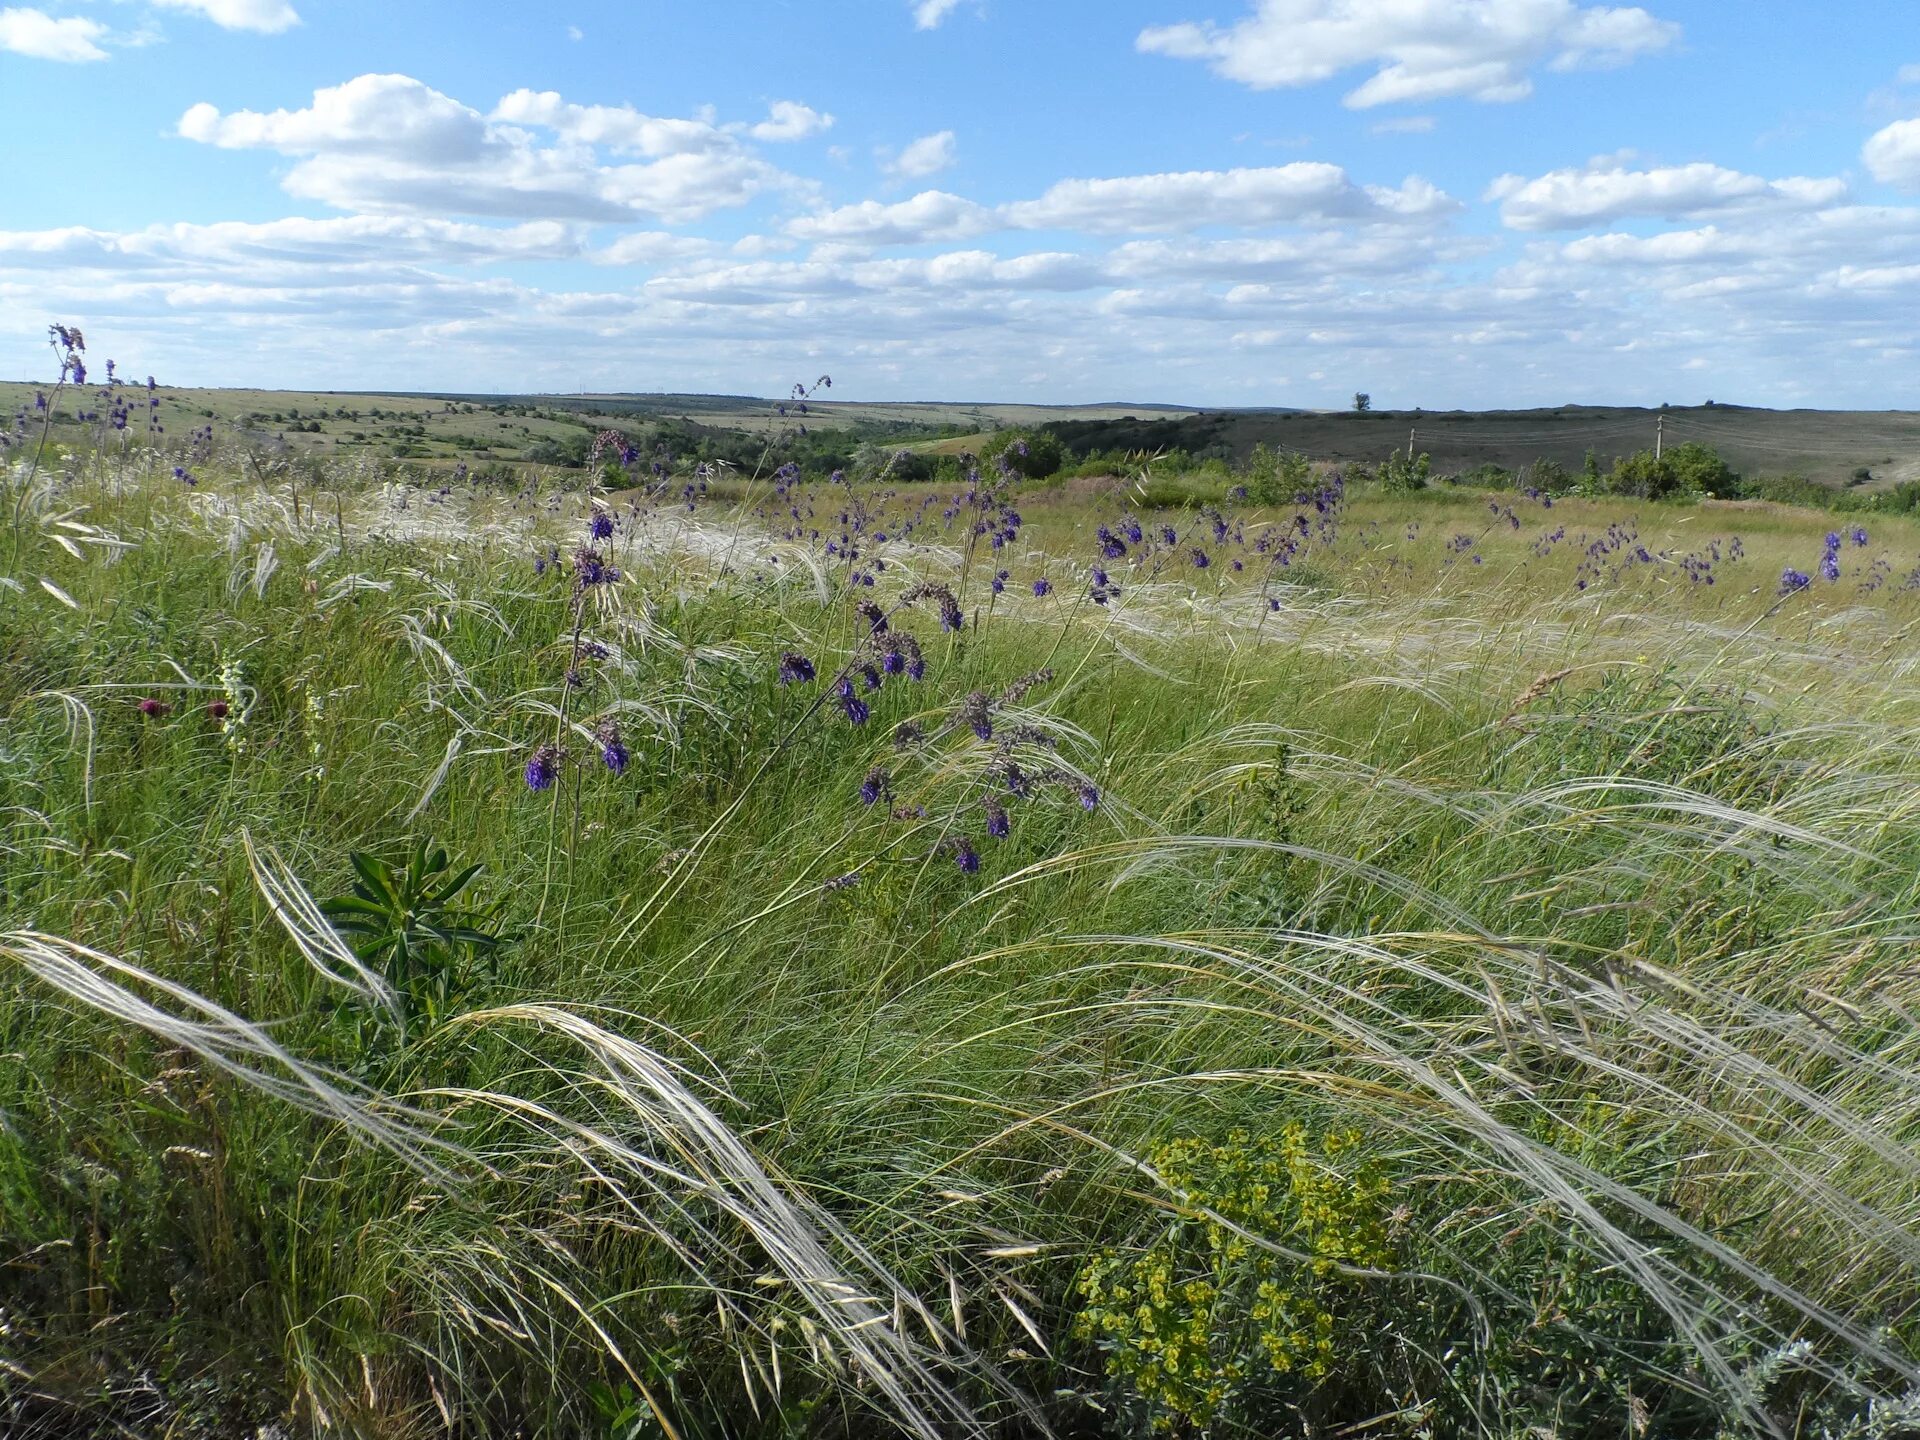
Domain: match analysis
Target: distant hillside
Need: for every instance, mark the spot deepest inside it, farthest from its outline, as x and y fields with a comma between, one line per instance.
x=1826, y=445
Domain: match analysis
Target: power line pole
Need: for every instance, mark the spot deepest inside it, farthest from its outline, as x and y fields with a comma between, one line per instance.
x=1659, y=436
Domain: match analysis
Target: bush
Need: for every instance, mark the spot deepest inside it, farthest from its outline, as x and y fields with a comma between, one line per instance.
x=1275, y=478
x=1032, y=454
x=1400, y=475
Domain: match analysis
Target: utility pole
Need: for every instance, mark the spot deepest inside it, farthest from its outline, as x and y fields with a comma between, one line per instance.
x=1659, y=436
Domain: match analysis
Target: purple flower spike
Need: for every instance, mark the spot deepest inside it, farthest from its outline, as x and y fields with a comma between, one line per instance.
x=543, y=767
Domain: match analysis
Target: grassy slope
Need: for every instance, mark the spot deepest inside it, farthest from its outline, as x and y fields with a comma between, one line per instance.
x=1587, y=908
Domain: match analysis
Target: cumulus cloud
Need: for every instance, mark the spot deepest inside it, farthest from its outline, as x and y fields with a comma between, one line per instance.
x=391, y=144
x=930, y=215
x=269, y=17
x=928, y=155
x=1303, y=192
x=1893, y=154
x=1605, y=190
x=37, y=34
x=1420, y=49
x=928, y=14
x=1241, y=198
x=790, y=120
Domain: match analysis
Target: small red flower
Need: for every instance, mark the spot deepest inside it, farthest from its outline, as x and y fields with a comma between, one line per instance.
x=151, y=707
x=218, y=710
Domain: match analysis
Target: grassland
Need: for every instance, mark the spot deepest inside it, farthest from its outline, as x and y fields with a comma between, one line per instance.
x=1390, y=964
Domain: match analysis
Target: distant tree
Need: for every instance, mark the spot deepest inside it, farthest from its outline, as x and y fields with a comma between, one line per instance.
x=1362, y=401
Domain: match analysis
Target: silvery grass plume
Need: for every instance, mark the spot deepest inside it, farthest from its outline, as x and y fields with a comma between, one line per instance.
x=636, y=1126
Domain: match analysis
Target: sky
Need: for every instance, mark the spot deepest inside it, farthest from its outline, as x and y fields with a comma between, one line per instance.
x=1443, y=203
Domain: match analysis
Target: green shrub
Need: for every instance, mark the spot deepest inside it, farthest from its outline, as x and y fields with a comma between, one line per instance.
x=1032, y=454
x=1401, y=475
x=1274, y=478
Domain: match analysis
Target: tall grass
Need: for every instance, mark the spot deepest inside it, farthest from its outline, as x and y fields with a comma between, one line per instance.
x=1591, y=912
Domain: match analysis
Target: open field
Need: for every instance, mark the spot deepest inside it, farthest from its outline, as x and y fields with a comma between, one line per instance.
x=1027, y=958
x=495, y=429
x=1830, y=447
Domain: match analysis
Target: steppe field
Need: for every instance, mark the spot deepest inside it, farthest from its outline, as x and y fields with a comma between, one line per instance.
x=934, y=926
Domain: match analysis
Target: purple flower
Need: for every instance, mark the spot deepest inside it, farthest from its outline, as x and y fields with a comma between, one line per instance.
x=1830, y=565
x=877, y=786
x=1089, y=799
x=153, y=709
x=1792, y=580
x=1042, y=586
x=1200, y=560
x=613, y=749
x=590, y=568
x=795, y=669
x=601, y=526
x=543, y=767
x=1859, y=535
x=998, y=825
x=852, y=706
x=966, y=857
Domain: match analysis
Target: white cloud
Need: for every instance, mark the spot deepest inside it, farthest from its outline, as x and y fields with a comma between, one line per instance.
x=576, y=34
x=244, y=250
x=652, y=247
x=1909, y=75
x=1893, y=154
x=1403, y=125
x=390, y=144
x=1241, y=198
x=1303, y=192
x=928, y=155
x=928, y=14
x=790, y=120
x=1421, y=49
x=36, y=34
x=1606, y=190
x=930, y=215
x=269, y=17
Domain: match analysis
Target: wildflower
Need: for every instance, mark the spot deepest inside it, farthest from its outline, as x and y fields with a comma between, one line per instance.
x=966, y=857
x=877, y=786
x=153, y=709
x=875, y=617
x=218, y=710
x=1792, y=580
x=1042, y=586
x=1830, y=565
x=852, y=706
x=1089, y=799
x=976, y=714
x=1200, y=560
x=871, y=677
x=590, y=568
x=601, y=526
x=543, y=767
x=613, y=748
x=998, y=825
x=841, y=882
x=1858, y=535
x=795, y=669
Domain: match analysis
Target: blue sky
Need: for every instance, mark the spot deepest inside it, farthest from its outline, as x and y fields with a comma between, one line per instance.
x=1444, y=202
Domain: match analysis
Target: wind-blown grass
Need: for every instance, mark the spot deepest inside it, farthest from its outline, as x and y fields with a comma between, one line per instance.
x=1593, y=912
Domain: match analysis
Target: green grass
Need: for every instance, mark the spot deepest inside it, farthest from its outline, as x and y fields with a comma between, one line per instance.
x=1506, y=985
